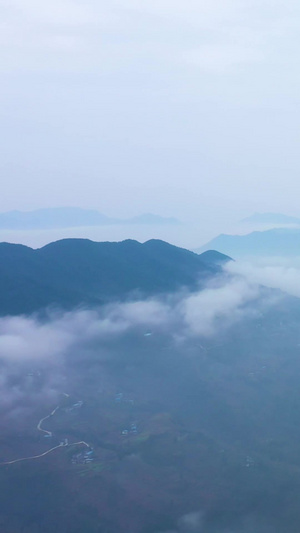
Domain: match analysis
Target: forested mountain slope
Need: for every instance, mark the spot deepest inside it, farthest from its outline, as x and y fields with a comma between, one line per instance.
x=72, y=272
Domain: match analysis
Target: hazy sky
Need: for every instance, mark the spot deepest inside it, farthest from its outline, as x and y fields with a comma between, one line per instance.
x=178, y=108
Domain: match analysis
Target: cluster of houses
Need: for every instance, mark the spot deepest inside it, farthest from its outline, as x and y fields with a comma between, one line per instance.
x=249, y=462
x=119, y=398
x=83, y=458
x=131, y=431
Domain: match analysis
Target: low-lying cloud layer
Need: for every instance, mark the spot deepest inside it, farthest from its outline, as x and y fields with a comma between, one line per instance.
x=193, y=522
x=275, y=276
x=186, y=362
x=31, y=344
x=30, y=339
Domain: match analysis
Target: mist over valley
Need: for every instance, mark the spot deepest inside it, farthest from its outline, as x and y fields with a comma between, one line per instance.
x=149, y=266
x=187, y=400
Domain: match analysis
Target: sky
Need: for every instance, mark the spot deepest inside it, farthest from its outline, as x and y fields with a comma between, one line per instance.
x=187, y=109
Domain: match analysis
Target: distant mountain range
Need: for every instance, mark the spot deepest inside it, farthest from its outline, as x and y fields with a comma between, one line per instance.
x=71, y=217
x=274, y=242
x=74, y=272
x=271, y=218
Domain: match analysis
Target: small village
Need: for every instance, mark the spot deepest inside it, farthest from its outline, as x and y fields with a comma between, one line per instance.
x=86, y=456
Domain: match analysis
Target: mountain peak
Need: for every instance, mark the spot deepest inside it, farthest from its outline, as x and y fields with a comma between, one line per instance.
x=73, y=272
x=68, y=217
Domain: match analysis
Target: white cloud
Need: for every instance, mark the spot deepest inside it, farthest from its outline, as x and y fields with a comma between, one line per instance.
x=220, y=58
x=191, y=522
x=49, y=343
x=24, y=339
x=284, y=278
x=211, y=308
x=65, y=13
x=209, y=35
x=28, y=339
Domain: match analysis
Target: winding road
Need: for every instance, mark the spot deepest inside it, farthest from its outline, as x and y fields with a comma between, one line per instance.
x=45, y=453
x=39, y=428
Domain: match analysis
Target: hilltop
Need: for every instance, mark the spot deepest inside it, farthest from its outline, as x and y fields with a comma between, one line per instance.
x=277, y=219
x=72, y=217
x=73, y=272
x=275, y=242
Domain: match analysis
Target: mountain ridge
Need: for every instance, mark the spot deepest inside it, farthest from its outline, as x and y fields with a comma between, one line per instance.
x=73, y=272
x=64, y=217
x=271, y=218
x=275, y=242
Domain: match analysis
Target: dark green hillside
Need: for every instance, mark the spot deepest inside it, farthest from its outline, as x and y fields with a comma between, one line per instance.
x=211, y=256
x=72, y=272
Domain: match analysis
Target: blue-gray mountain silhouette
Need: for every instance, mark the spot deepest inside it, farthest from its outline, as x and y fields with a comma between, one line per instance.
x=73, y=272
x=271, y=218
x=70, y=217
x=275, y=242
